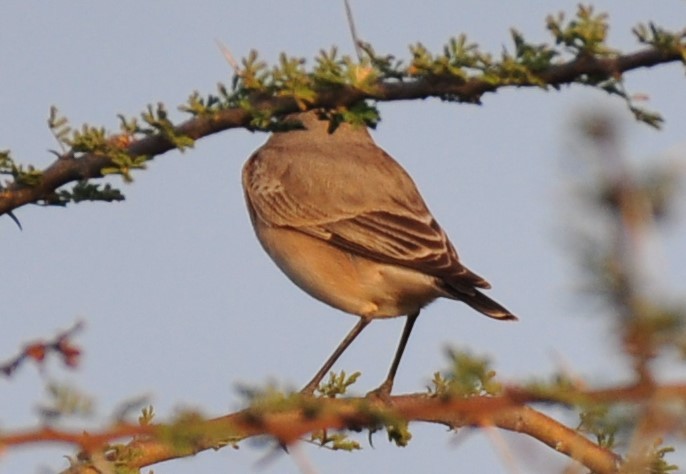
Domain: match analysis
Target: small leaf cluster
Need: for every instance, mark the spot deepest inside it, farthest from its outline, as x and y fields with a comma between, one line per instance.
x=84, y=190
x=651, y=460
x=76, y=143
x=23, y=175
x=658, y=464
x=146, y=416
x=97, y=141
x=338, y=441
x=330, y=70
x=598, y=421
x=614, y=85
x=560, y=388
x=158, y=123
x=396, y=429
x=583, y=35
x=586, y=35
x=463, y=60
x=399, y=432
x=458, y=55
x=337, y=384
x=661, y=39
x=186, y=432
x=657, y=324
x=608, y=423
x=269, y=400
x=469, y=375
x=360, y=114
x=290, y=78
x=65, y=400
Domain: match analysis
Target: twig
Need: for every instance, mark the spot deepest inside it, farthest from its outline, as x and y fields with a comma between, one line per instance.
x=226, y=52
x=38, y=351
x=353, y=30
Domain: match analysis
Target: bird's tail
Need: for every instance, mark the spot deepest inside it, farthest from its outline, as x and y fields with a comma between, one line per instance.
x=487, y=306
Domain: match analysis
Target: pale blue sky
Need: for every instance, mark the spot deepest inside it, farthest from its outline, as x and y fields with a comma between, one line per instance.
x=181, y=303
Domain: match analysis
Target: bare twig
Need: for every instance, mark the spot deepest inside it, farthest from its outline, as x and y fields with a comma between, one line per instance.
x=353, y=30
x=226, y=52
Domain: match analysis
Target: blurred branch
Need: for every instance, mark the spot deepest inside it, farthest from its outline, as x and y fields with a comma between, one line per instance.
x=37, y=351
x=616, y=241
x=621, y=207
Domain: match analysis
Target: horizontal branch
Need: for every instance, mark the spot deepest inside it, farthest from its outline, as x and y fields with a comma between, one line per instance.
x=301, y=416
x=500, y=412
x=70, y=168
x=290, y=419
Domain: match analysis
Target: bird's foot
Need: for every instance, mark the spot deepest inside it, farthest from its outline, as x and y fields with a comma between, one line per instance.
x=382, y=393
x=308, y=390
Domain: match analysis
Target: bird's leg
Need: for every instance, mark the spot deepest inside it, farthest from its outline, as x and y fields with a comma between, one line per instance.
x=347, y=340
x=384, y=390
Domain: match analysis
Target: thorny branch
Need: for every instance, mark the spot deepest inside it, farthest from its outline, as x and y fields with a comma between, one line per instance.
x=156, y=443
x=70, y=167
x=288, y=424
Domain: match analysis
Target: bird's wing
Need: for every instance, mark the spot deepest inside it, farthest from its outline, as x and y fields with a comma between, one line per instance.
x=371, y=208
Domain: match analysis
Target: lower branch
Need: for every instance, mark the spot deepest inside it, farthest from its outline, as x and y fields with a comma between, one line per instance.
x=289, y=419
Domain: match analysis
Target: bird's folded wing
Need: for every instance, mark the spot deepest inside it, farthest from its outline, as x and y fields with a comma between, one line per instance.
x=392, y=238
x=400, y=236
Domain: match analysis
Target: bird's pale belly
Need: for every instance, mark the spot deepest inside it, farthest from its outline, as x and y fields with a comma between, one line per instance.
x=351, y=283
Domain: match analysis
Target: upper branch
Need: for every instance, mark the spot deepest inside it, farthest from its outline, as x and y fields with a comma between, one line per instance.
x=461, y=73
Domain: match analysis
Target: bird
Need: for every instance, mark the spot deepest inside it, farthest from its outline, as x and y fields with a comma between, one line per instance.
x=346, y=223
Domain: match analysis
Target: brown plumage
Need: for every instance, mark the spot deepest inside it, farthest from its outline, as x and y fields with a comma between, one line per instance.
x=347, y=224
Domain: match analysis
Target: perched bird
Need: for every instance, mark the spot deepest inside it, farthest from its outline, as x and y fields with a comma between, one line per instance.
x=346, y=223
